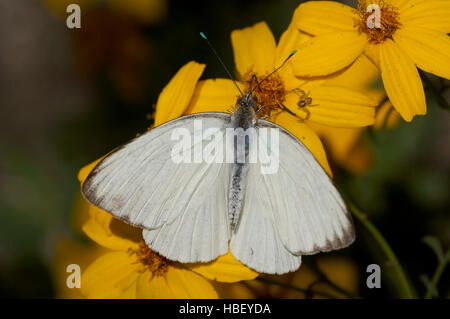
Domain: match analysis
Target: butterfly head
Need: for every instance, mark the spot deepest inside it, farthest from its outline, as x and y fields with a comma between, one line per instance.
x=245, y=115
x=247, y=101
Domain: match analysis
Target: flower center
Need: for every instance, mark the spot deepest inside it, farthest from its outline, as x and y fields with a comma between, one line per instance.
x=270, y=94
x=379, y=22
x=151, y=260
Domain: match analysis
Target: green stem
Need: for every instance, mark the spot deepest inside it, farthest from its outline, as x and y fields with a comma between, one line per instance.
x=406, y=290
x=436, y=277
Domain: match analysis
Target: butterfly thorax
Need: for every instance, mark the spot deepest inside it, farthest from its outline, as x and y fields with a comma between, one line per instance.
x=245, y=116
x=243, y=121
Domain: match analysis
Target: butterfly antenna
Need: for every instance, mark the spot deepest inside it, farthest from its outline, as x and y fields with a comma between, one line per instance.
x=282, y=64
x=221, y=62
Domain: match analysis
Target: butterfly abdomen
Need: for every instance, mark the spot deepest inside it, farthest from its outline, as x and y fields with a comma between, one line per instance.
x=243, y=122
x=236, y=194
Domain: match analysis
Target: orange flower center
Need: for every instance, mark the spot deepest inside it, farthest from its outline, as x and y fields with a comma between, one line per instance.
x=378, y=22
x=269, y=94
x=151, y=260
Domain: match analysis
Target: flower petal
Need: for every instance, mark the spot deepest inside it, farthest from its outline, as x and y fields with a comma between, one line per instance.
x=306, y=136
x=430, y=50
x=328, y=53
x=341, y=140
x=399, y=4
x=373, y=53
x=337, y=106
x=321, y=17
x=401, y=81
x=360, y=75
x=177, y=283
x=112, y=275
x=214, y=95
x=430, y=14
x=69, y=251
x=290, y=40
x=226, y=268
x=175, y=97
x=254, y=49
x=238, y=290
x=386, y=117
x=345, y=146
x=98, y=228
x=86, y=170
x=153, y=287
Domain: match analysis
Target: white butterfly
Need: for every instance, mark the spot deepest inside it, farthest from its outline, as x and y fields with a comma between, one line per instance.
x=195, y=212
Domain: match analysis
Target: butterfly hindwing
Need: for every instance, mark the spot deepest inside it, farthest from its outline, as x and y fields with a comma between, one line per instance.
x=310, y=214
x=256, y=242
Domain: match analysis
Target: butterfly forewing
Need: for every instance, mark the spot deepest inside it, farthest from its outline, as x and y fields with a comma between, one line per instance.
x=182, y=205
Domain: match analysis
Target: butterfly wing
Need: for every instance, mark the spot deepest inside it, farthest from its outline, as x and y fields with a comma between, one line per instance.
x=298, y=205
x=256, y=242
x=142, y=184
x=200, y=232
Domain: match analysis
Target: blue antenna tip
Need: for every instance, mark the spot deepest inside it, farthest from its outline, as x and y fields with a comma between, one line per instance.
x=293, y=52
x=203, y=35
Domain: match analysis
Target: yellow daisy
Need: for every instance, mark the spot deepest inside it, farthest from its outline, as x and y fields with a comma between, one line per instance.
x=68, y=252
x=131, y=270
x=345, y=146
x=301, y=101
x=412, y=33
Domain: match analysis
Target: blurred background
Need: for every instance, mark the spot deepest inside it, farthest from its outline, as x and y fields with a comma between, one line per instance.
x=68, y=97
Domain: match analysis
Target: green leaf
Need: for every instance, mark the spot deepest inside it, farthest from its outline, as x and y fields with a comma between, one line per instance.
x=443, y=260
x=430, y=286
x=436, y=247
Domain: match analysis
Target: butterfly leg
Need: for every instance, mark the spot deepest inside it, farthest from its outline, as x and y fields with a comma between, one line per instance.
x=308, y=113
x=299, y=92
x=257, y=111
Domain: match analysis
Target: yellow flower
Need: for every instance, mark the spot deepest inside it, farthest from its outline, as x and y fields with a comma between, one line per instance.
x=413, y=33
x=387, y=117
x=131, y=269
x=67, y=252
x=345, y=146
x=305, y=101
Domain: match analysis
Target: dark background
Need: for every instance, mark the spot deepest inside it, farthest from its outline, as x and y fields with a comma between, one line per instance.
x=69, y=96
